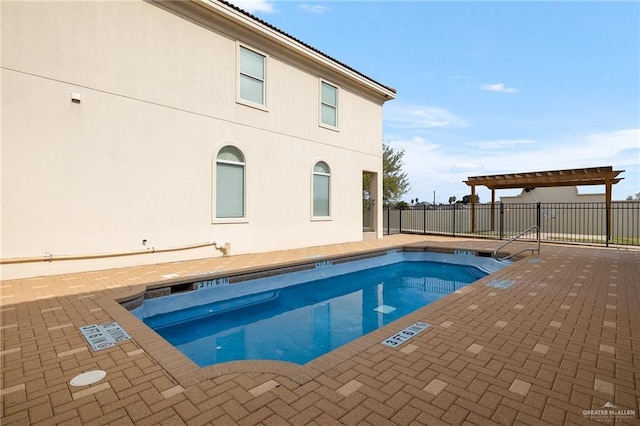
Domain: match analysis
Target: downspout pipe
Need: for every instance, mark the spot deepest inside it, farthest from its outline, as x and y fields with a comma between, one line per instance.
x=48, y=257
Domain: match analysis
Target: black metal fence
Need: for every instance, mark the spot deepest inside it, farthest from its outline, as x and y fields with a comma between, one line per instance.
x=567, y=222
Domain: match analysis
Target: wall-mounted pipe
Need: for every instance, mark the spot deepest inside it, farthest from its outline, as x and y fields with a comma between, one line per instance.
x=48, y=257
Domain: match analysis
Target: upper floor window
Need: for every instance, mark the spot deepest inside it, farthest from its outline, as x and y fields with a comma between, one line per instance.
x=328, y=104
x=321, y=181
x=230, y=183
x=252, y=77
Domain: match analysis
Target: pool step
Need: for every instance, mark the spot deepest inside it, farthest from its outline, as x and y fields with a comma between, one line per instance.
x=209, y=309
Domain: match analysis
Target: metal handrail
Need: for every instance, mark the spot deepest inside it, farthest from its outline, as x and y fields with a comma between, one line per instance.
x=495, y=252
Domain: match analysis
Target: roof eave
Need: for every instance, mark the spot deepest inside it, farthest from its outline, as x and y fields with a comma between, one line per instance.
x=255, y=24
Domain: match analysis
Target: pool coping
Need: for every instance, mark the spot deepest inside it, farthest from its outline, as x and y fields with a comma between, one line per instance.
x=135, y=299
x=187, y=373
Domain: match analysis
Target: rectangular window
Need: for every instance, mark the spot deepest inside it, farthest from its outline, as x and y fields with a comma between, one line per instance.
x=328, y=105
x=229, y=191
x=252, y=76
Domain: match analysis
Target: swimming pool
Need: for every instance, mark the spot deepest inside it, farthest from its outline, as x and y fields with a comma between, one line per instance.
x=300, y=316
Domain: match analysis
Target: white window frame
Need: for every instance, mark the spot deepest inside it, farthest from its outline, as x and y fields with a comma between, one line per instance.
x=239, y=74
x=239, y=219
x=313, y=175
x=321, y=103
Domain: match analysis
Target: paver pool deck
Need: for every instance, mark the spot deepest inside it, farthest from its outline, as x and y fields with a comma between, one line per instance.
x=561, y=341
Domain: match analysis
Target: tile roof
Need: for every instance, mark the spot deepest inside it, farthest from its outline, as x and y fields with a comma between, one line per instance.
x=308, y=46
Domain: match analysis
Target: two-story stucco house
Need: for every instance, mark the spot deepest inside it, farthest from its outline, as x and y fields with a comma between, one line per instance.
x=160, y=127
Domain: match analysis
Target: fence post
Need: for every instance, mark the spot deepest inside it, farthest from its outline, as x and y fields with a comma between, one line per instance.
x=501, y=231
x=400, y=221
x=454, y=219
x=388, y=220
x=424, y=219
x=538, y=219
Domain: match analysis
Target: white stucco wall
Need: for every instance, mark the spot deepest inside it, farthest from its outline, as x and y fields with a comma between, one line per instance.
x=135, y=159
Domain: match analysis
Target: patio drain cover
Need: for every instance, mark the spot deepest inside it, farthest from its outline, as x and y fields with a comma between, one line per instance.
x=104, y=336
x=88, y=378
x=385, y=309
x=500, y=284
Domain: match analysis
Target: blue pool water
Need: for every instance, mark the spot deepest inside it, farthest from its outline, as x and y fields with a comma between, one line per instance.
x=301, y=321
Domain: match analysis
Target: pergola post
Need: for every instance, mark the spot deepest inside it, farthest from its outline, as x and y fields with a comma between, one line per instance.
x=608, y=188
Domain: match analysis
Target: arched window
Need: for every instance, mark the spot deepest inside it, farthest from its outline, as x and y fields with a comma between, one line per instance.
x=321, y=185
x=229, y=183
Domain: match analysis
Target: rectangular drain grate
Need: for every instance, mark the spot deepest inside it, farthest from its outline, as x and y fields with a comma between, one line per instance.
x=104, y=336
x=500, y=284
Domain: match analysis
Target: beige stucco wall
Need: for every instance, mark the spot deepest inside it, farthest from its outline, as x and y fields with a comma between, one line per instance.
x=135, y=159
x=561, y=194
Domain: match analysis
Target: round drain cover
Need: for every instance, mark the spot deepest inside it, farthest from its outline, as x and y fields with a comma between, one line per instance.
x=88, y=378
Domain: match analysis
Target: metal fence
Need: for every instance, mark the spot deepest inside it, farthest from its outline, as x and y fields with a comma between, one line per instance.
x=584, y=223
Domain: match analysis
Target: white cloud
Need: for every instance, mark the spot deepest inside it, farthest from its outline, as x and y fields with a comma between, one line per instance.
x=466, y=167
x=252, y=6
x=615, y=142
x=502, y=143
x=418, y=116
x=576, y=151
x=498, y=87
x=591, y=150
x=443, y=166
x=316, y=8
x=420, y=154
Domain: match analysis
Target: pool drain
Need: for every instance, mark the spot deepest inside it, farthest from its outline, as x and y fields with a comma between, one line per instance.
x=88, y=378
x=385, y=309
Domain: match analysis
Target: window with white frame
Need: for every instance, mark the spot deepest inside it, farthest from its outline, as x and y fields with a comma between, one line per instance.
x=230, y=166
x=328, y=104
x=252, y=87
x=321, y=189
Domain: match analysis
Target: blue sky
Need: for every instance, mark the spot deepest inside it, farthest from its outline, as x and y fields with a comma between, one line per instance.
x=489, y=87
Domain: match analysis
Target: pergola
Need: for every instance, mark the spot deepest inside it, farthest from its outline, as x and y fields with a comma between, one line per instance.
x=571, y=177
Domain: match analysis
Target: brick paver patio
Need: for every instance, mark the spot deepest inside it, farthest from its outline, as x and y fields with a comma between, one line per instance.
x=562, y=340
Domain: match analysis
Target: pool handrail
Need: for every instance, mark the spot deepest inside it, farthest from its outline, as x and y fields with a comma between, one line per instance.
x=495, y=252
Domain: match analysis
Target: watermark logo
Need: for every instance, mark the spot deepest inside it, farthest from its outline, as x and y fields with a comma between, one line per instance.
x=608, y=413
